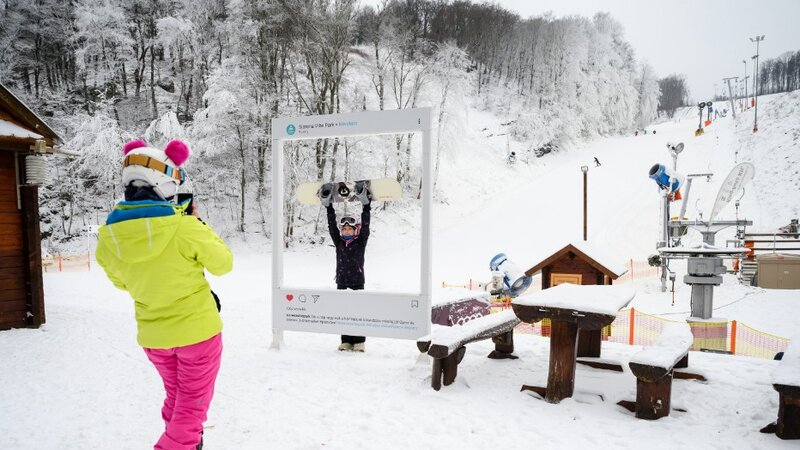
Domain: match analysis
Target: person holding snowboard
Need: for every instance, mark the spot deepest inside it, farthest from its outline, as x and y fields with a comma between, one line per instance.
x=152, y=249
x=350, y=239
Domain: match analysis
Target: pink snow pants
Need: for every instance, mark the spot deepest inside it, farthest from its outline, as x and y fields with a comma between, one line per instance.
x=189, y=374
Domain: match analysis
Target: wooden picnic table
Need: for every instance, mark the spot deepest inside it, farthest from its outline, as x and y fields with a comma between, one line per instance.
x=570, y=308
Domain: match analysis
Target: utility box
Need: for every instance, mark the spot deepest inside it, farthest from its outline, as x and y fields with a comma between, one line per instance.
x=779, y=271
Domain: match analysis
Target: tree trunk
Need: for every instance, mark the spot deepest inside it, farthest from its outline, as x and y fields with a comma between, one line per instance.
x=153, y=83
x=333, y=159
x=124, y=75
x=243, y=179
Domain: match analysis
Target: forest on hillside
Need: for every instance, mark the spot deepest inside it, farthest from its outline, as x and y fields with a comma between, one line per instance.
x=215, y=72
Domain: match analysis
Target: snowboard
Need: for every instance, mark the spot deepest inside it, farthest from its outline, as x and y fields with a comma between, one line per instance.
x=381, y=189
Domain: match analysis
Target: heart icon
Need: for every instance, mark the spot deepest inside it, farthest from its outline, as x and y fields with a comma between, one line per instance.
x=289, y=297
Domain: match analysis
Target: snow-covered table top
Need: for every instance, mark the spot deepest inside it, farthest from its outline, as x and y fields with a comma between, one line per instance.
x=446, y=296
x=675, y=340
x=788, y=371
x=701, y=249
x=600, y=299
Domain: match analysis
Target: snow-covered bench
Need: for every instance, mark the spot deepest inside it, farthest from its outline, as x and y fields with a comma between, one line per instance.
x=786, y=380
x=653, y=367
x=446, y=345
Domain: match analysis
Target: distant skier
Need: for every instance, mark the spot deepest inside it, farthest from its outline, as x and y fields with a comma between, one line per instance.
x=512, y=158
x=596, y=162
x=152, y=249
x=350, y=238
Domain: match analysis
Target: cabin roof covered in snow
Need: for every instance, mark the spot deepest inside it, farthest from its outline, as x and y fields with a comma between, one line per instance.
x=600, y=299
x=18, y=122
x=12, y=130
x=612, y=266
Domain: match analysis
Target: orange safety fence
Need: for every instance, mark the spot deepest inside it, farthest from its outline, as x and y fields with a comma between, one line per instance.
x=67, y=263
x=637, y=328
x=636, y=271
x=751, y=342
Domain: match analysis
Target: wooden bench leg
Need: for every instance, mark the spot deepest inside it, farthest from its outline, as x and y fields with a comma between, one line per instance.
x=436, y=376
x=788, y=417
x=450, y=365
x=503, y=346
x=653, y=398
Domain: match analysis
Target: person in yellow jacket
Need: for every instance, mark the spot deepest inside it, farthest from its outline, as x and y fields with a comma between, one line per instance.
x=152, y=249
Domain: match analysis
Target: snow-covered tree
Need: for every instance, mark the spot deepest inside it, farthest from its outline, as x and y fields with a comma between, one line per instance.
x=648, y=90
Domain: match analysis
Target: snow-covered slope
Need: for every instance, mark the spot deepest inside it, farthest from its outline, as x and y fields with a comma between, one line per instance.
x=522, y=209
x=82, y=378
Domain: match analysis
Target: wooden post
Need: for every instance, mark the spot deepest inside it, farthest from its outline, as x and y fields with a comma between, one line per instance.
x=33, y=253
x=653, y=398
x=436, y=375
x=59, y=261
x=630, y=326
x=561, y=375
x=788, y=412
x=585, y=203
x=503, y=346
x=450, y=365
x=733, y=337
x=589, y=343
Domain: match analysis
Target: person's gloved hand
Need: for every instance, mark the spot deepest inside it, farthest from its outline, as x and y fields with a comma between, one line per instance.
x=362, y=193
x=326, y=194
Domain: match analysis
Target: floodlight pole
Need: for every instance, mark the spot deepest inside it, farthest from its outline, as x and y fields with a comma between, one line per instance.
x=755, y=79
x=757, y=40
x=730, y=93
x=745, y=82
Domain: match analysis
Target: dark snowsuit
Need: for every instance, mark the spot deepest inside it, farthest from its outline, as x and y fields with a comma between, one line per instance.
x=350, y=258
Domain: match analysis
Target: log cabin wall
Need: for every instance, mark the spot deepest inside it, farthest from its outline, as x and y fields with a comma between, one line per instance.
x=571, y=263
x=14, y=300
x=21, y=289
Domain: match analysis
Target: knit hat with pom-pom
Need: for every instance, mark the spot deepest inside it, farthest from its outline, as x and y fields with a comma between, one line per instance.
x=159, y=169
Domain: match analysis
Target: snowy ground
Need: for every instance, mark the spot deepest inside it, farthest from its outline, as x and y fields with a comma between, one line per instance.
x=82, y=378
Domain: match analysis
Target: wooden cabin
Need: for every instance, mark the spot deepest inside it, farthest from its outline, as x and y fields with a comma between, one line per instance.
x=21, y=292
x=579, y=263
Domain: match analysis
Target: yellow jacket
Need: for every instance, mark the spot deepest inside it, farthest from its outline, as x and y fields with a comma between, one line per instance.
x=157, y=254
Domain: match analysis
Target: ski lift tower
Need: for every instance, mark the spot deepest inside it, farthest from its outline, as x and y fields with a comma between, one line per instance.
x=705, y=261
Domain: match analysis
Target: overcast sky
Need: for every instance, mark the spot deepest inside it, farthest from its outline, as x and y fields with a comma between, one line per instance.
x=704, y=39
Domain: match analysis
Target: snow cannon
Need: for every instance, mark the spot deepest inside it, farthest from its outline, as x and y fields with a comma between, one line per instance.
x=666, y=178
x=515, y=282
